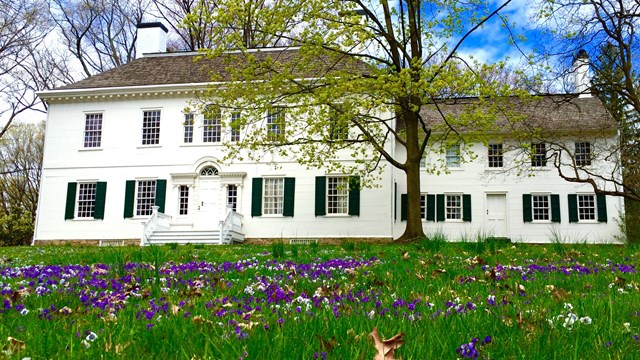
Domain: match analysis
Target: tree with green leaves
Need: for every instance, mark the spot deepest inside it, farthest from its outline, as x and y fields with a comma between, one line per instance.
x=352, y=96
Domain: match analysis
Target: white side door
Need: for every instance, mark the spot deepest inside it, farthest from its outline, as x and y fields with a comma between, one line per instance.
x=496, y=215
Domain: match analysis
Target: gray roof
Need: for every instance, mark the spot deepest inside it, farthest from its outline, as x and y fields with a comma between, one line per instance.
x=554, y=113
x=182, y=68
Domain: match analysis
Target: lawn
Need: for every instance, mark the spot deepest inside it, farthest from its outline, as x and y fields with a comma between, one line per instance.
x=464, y=300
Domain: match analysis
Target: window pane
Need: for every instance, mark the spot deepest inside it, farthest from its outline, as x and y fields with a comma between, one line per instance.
x=93, y=130
x=212, y=125
x=188, y=128
x=86, y=200
x=337, y=195
x=146, y=197
x=540, y=207
x=275, y=123
x=583, y=153
x=586, y=207
x=232, y=196
x=273, y=193
x=453, y=208
x=453, y=156
x=235, y=126
x=423, y=206
x=184, y=200
x=151, y=127
x=539, y=155
x=495, y=156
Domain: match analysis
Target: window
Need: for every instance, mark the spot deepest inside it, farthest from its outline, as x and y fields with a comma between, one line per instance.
x=453, y=209
x=211, y=125
x=188, y=128
x=495, y=156
x=86, y=200
x=452, y=156
x=151, y=127
x=145, y=197
x=232, y=196
x=539, y=155
x=183, y=200
x=540, y=207
x=273, y=193
x=235, y=126
x=583, y=154
x=93, y=130
x=337, y=195
x=423, y=206
x=276, y=123
x=209, y=171
x=338, y=126
x=586, y=207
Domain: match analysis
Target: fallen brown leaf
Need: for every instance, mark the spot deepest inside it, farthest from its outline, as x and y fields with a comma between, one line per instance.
x=386, y=348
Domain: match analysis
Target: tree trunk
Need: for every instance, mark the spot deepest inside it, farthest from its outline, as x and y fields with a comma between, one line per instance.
x=413, y=230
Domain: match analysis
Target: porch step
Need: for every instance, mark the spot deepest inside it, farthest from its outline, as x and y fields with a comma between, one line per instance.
x=211, y=237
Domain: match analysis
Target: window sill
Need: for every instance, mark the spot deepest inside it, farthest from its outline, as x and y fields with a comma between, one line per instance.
x=541, y=222
x=272, y=216
x=90, y=149
x=494, y=169
x=454, y=169
x=539, y=168
x=149, y=146
x=201, y=144
x=337, y=215
x=84, y=219
x=454, y=220
x=587, y=222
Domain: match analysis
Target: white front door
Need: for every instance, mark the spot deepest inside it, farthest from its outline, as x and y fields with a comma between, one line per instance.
x=209, y=203
x=497, y=215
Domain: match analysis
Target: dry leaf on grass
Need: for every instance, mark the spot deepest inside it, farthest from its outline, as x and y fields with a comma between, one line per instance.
x=386, y=348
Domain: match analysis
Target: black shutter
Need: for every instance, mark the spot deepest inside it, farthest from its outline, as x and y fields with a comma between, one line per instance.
x=289, y=196
x=466, y=207
x=71, y=200
x=256, y=197
x=555, y=208
x=573, y=208
x=527, y=216
x=403, y=207
x=440, y=207
x=601, y=201
x=321, y=195
x=161, y=194
x=129, y=193
x=354, y=195
x=431, y=207
x=101, y=194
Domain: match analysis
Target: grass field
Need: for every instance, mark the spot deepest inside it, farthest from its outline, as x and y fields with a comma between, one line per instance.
x=465, y=300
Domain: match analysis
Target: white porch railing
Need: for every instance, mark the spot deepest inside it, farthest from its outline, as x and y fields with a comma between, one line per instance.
x=157, y=221
x=232, y=223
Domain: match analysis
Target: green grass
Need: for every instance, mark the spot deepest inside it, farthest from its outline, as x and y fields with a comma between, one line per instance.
x=230, y=302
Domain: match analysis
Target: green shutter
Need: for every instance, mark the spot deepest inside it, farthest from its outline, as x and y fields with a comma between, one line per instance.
x=527, y=216
x=101, y=193
x=129, y=193
x=573, y=208
x=354, y=195
x=440, y=207
x=256, y=197
x=403, y=207
x=555, y=208
x=601, y=201
x=321, y=195
x=71, y=200
x=466, y=207
x=289, y=196
x=161, y=194
x=431, y=207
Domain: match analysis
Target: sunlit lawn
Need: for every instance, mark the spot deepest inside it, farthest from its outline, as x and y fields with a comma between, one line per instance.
x=307, y=302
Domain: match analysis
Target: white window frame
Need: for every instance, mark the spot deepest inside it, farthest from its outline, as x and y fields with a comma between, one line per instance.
x=453, y=210
x=337, y=195
x=539, y=155
x=495, y=156
x=232, y=196
x=144, y=205
x=151, y=127
x=212, y=128
x=587, y=212
x=273, y=196
x=234, y=131
x=188, y=124
x=86, y=200
x=423, y=206
x=92, y=135
x=539, y=212
x=452, y=156
x=276, y=123
x=582, y=153
x=183, y=200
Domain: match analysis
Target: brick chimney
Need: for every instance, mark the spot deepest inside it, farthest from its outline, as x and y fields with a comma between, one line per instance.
x=152, y=38
x=580, y=69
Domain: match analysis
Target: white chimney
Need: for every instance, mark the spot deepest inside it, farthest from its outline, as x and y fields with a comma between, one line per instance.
x=152, y=38
x=581, y=81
